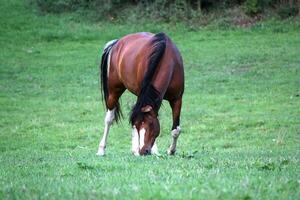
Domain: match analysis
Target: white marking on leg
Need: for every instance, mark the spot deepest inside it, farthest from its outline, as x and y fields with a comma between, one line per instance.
x=154, y=149
x=175, y=134
x=109, y=117
x=135, y=142
x=142, y=137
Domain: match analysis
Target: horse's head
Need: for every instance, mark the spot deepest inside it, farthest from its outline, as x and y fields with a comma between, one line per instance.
x=146, y=131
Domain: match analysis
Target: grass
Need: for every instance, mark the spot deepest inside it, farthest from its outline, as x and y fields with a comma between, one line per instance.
x=240, y=118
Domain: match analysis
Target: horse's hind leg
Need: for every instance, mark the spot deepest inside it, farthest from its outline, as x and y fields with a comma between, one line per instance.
x=176, y=108
x=109, y=118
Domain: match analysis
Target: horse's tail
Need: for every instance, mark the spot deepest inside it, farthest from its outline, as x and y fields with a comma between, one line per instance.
x=105, y=61
x=148, y=94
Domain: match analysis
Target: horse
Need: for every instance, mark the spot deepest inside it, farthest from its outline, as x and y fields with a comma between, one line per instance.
x=151, y=67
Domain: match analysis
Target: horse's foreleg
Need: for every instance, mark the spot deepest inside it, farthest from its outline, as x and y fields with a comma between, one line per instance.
x=175, y=134
x=176, y=108
x=110, y=115
x=154, y=149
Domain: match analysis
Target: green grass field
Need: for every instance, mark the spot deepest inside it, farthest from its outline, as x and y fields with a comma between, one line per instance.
x=240, y=116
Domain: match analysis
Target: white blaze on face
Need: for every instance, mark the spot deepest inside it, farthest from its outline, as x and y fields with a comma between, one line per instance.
x=135, y=142
x=138, y=142
x=142, y=137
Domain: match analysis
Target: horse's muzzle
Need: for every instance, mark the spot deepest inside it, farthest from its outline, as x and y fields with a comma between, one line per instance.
x=145, y=151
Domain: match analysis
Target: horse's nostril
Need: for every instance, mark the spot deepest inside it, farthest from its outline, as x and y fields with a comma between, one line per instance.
x=147, y=152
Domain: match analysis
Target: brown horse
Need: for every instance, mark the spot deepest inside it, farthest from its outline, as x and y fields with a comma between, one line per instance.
x=150, y=66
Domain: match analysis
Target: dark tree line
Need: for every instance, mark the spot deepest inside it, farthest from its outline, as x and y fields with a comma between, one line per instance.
x=167, y=9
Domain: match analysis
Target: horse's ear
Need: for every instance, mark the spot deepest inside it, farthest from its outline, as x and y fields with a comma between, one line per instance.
x=146, y=109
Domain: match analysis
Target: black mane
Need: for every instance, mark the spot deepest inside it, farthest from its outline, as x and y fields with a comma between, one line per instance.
x=149, y=95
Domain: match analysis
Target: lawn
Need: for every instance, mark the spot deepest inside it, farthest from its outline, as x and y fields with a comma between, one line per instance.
x=240, y=118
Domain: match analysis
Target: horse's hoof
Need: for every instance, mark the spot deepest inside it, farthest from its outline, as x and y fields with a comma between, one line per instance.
x=155, y=152
x=100, y=152
x=171, y=152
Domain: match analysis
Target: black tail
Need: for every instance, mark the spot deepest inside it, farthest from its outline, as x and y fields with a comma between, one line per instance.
x=103, y=76
x=149, y=95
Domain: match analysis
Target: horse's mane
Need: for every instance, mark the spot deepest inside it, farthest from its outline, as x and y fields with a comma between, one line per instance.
x=150, y=95
x=103, y=76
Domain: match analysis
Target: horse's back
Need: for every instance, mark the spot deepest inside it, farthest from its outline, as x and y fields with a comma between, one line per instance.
x=130, y=59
